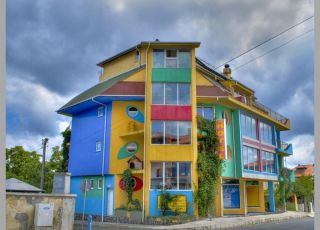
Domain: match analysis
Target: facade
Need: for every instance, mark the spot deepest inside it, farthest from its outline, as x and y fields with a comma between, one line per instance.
x=304, y=170
x=143, y=115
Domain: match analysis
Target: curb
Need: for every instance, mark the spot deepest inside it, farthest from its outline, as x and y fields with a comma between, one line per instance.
x=218, y=223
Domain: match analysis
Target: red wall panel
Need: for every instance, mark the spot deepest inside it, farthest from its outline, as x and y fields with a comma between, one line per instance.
x=171, y=112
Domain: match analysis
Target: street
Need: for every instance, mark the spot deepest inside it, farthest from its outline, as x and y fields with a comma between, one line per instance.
x=301, y=224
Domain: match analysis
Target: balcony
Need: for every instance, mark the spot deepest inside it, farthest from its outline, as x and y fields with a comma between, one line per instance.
x=271, y=113
x=284, y=148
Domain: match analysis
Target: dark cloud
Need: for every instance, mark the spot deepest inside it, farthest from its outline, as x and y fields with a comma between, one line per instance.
x=55, y=45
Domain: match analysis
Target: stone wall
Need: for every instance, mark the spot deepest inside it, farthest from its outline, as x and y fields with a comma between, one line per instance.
x=20, y=208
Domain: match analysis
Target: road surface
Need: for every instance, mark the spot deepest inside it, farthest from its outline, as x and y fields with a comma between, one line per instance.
x=300, y=224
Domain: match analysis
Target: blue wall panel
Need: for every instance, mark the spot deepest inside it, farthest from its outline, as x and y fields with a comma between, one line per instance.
x=153, y=201
x=87, y=129
x=91, y=203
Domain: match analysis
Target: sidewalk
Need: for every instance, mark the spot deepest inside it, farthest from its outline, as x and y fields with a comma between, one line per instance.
x=216, y=223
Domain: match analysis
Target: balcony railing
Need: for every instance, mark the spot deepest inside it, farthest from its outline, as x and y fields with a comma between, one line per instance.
x=271, y=113
x=285, y=148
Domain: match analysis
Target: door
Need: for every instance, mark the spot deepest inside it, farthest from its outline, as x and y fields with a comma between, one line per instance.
x=110, y=202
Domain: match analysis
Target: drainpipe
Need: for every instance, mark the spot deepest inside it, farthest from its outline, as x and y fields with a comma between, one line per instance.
x=103, y=153
x=145, y=141
x=234, y=147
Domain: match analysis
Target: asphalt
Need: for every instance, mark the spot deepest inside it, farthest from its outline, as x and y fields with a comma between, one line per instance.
x=301, y=224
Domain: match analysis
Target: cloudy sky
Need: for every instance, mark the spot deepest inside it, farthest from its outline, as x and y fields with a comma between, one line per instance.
x=53, y=47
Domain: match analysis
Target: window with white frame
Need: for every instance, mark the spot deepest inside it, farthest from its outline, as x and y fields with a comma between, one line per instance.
x=248, y=126
x=268, y=162
x=100, y=111
x=171, y=132
x=99, y=183
x=205, y=112
x=171, y=175
x=171, y=93
x=250, y=158
x=91, y=184
x=171, y=58
x=265, y=133
x=98, y=146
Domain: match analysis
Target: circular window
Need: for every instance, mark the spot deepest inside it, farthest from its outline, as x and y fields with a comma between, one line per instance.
x=133, y=111
x=226, y=116
x=132, y=147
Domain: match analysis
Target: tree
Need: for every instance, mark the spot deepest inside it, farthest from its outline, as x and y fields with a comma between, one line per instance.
x=23, y=165
x=304, y=188
x=66, y=134
x=26, y=166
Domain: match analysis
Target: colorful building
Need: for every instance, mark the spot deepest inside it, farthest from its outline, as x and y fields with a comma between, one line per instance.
x=143, y=115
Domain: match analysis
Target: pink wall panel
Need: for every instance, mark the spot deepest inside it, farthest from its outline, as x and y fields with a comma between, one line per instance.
x=171, y=112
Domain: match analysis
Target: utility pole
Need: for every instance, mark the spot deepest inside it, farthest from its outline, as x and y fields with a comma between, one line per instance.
x=44, y=146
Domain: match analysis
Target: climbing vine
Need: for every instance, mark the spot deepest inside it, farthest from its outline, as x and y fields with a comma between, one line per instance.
x=128, y=187
x=209, y=167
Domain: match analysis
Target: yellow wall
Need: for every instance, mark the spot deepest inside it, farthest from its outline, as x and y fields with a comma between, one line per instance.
x=122, y=64
x=120, y=121
x=169, y=152
x=201, y=80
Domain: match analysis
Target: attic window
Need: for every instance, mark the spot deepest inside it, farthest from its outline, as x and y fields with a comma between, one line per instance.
x=137, y=55
x=100, y=111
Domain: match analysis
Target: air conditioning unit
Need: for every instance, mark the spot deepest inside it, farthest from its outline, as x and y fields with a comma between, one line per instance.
x=43, y=216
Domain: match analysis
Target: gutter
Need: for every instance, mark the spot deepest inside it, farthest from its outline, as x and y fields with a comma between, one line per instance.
x=103, y=155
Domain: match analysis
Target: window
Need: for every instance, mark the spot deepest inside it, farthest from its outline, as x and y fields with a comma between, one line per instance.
x=100, y=111
x=171, y=175
x=184, y=175
x=171, y=58
x=248, y=126
x=171, y=93
x=133, y=111
x=156, y=175
x=184, y=59
x=100, y=184
x=157, y=93
x=265, y=133
x=250, y=158
x=98, y=146
x=205, y=112
x=184, y=132
x=91, y=184
x=137, y=55
x=268, y=162
x=157, y=136
x=171, y=132
x=231, y=194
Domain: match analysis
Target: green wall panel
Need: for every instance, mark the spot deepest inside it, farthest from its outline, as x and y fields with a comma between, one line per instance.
x=182, y=75
x=238, y=141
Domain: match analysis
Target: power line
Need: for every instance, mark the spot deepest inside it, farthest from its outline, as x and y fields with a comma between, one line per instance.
x=265, y=41
x=270, y=51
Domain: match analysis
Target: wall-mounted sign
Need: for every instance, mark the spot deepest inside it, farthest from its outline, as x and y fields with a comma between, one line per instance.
x=178, y=204
x=134, y=113
x=137, y=184
x=222, y=138
x=128, y=150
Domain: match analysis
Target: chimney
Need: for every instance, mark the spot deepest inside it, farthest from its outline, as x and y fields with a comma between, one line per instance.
x=227, y=71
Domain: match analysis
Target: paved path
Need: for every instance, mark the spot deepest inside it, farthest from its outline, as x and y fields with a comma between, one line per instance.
x=216, y=223
x=301, y=224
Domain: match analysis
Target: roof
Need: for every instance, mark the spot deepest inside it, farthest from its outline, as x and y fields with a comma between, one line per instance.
x=99, y=88
x=16, y=185
x=304, y=170
x=145, y=43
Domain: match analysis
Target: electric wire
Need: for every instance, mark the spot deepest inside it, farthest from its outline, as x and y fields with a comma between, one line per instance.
x=265, y=41
x=274, y=49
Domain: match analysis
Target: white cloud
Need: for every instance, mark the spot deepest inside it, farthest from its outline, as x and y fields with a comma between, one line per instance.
x=303, y=150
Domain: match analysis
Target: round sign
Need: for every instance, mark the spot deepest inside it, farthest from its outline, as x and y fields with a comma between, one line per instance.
x=133, y=111
x=137, y=184
x=132, y=147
